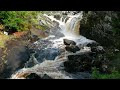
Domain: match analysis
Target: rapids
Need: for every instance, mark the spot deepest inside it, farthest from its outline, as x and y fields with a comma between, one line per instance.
x=51, y=55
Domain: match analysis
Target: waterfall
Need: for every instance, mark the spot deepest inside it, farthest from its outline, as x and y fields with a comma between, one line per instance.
x=69, y=26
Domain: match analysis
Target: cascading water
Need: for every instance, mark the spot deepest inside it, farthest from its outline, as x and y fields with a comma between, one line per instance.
x=69, y=28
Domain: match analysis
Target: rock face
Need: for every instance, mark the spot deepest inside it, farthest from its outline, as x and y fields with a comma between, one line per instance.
x=16, y=55
x=68, y=42
x=103, y=27
x=86, y=61
x=78, y=63
x=100, y=26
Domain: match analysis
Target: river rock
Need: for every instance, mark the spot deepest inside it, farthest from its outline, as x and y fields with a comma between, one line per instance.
x=57, y=16
x=72, y=48
x=77, y=63
x=95, y=47
x=33, y=76
x=45, y=76
x=68, y=42
x=49, y=54
x=98, y=49
x=94, y=44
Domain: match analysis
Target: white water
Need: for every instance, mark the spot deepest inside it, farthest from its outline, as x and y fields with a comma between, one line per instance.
x=55, y=68
x=70, y=29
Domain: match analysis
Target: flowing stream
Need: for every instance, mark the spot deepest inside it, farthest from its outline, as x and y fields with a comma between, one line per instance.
x=51, y=54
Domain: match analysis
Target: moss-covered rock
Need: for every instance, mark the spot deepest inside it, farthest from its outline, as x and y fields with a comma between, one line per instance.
x=103, y=27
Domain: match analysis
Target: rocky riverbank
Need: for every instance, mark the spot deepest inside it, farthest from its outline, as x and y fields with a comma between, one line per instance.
x=16, y=52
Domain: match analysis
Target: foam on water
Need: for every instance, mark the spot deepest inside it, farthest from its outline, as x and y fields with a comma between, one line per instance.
x=55, y=68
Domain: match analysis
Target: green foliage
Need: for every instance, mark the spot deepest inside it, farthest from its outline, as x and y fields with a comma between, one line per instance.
x=97, y=75
x=18, y=20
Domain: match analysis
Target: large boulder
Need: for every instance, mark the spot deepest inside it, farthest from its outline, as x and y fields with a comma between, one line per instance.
x=86, y=61
x=77, y=63
x=68, y=42
x=48, y=54
x=72, y=48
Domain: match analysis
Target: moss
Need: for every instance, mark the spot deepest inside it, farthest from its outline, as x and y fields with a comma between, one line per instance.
x=113, y=75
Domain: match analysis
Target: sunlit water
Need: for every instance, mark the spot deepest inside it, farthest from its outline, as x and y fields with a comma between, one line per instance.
x=55, y=68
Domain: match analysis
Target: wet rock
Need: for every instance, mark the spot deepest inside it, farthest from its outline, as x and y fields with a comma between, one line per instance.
x=31, y=62
x=45, y=76
x=57, y=16
x=77, y=63
x=98, y=49
x=68, y=42
x=33, y=76
x=80, y=46
x=95, y=47
x=94, y=44
x=49, y=54
x=72, y=48
x=56, y=32
x=85, y=61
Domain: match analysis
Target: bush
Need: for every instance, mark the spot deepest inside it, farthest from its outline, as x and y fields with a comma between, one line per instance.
x=18, y=20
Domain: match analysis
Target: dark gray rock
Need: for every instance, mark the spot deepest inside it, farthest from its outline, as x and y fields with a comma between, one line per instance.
x=78, y=63
x=72, y=48
x=57, y=16
x=94, y=44
x=98, y=49
x=48, y=54
x=68, y=42
x=46, y=77
x=33, y=76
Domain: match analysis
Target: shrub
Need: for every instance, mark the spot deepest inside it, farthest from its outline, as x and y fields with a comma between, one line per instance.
x=17, y=20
